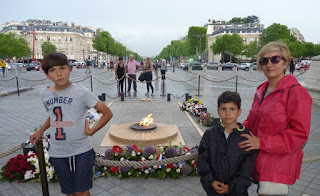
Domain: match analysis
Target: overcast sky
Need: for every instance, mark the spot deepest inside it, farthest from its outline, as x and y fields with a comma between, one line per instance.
x=147, y=26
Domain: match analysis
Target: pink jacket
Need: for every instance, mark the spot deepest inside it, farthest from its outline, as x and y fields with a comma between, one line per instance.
x=282, y=122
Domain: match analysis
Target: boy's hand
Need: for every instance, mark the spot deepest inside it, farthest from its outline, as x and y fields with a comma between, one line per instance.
x=34, y=138
x=225, y=189
x=217, y=186
x=87, y=128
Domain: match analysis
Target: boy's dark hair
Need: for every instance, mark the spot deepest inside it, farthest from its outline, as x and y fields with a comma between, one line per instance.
x=53, y=59
x=229, y=97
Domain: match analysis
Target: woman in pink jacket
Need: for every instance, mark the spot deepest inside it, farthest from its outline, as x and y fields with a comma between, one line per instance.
x=280, y=122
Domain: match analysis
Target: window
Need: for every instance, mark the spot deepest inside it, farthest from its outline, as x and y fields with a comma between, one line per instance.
x=70, y=38
x=48, y=38
x=66, y=38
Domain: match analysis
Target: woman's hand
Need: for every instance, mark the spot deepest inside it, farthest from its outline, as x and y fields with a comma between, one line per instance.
x=252, y=142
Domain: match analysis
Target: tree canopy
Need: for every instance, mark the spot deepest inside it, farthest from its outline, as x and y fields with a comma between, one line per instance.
x=11, y=46
x=196, y=40
x=47, y=48
x=276, y=32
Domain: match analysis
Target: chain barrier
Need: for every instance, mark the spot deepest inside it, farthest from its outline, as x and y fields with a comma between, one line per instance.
x=82, y=79
x=7, y=80
x=34, y=80
x=182, y=80
x=177, y=97
x=143, y=81
x=204, y=77
x=113, y=97
x=105, y=83
x=251, y=80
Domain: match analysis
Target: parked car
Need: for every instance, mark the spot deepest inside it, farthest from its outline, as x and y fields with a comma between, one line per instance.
x=14, y=65
x=229, y=66
x=37, y=68
x=31, y=66
x=194, y=65
x=305, y=64
x=245, y=66
x=254, y=65
x=78, y=64
x=212, y=65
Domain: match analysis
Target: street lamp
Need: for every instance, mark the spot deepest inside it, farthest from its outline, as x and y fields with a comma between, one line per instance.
x=199, y=36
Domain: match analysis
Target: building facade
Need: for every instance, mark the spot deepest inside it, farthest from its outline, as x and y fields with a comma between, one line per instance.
x=296, y=33
x=248, y=32
x=74, y=41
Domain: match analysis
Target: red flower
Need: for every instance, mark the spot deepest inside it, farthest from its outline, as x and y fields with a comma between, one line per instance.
x=195, y=164
x=170, y=165
x=186, y=149
x=114, y=169
x=117, y=149
x=136, y=148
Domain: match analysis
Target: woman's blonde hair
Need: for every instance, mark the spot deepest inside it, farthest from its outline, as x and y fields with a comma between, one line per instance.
x=148, y=61
x=271, y=47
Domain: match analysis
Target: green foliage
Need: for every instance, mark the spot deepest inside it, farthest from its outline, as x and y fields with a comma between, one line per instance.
x=47, y=48
x=196, y=40
x=11, y=46
x=228, y=44
x=249, y=19
x=275, y=32
x=251, y=50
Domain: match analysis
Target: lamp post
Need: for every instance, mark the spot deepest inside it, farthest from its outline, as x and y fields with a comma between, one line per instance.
x=33, y=42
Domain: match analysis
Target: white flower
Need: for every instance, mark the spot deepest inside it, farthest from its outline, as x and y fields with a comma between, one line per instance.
x=143, y=159
x=150, y=157
x=104, y=168
x=29, y=175
x=37, y=171
x=168, y=169
x=192, y=162
x=138, y=153
x=115, y=154
x=133, y=153
x=180, y=166
x=155, y=167
x=146, y=171
x=188, y=153
x=121, y=159
x=178, y=170
x=129, y=173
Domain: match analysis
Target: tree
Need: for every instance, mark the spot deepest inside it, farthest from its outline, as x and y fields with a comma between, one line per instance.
x=251, y=50
x=11, y=46
x=47, y=48
x=276, y=32
x=228, y=44
x=197, y=39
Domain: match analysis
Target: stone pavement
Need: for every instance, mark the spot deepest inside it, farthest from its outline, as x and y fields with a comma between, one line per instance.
x=25, y=112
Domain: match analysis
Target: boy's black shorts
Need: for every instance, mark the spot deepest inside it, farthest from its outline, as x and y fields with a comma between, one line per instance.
x=74, y=173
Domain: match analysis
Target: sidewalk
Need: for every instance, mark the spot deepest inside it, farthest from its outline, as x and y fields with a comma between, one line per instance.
x=26, y=112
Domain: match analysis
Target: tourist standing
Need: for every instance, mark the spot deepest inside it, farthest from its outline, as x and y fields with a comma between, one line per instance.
x=120, y=71
x=292, y=68
x=148, y=75
x=3, y=66
x=156, y=70
x=132, y=67
x=88, y=66
x=279, y=119
x=163, y=69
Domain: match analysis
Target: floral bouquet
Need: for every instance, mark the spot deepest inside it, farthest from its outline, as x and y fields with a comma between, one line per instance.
x=148, y=153
x=207, y=119
x=192, y=105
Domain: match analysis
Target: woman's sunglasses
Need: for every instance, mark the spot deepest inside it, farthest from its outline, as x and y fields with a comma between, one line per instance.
x=273, y=59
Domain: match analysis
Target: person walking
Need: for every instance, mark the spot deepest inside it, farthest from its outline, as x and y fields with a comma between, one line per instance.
x=163, y=69
x=3, y=66
x=292, y=67
x=148, y=74
x=279, y=120
x=88, y=66
x=132, y=67
x=120, y=71
x=156, y=70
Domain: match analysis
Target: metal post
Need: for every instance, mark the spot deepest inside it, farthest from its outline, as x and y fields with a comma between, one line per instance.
x=125, y=85
x=163, y=89
x=43, y=172
x=168, y=97
x=91, y=83
x=198, y=86
x=122, y=97
x=236, y=83
x=18, y=86
x=187, y=96
x=103, y=96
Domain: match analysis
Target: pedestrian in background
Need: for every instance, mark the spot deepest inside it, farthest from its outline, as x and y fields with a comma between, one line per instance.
x=163, y=69
x=156, y=70
x=148, y=74
x=120, y=71
x=292, y=68
x=279, y=119
x=88, y=66
x=3, y=65
x=132, y=67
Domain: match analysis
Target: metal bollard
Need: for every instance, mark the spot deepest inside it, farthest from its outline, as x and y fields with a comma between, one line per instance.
x=103, y=96
x=42, y=166
x=100, y=97
x=187, y=95
x=168, y=97
x=122, y=96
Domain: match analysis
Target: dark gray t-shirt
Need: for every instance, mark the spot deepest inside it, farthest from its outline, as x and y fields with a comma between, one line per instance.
x=67, y=110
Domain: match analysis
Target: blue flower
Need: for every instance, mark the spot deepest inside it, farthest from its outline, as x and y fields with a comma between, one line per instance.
x=125, y=169
x=171, y=152
x=185, y=170
x=148, y=150
x=130, y=149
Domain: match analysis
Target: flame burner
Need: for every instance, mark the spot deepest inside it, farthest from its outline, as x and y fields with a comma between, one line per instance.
x=137, y=127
